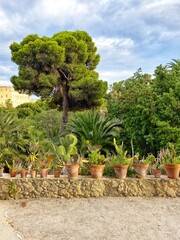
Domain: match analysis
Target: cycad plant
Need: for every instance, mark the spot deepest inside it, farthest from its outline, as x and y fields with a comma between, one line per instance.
x=93, y=127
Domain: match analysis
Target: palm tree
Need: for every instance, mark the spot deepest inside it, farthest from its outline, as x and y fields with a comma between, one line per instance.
x=174, y=65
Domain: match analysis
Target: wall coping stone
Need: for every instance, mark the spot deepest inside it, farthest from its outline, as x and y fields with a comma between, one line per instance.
x=85, y=186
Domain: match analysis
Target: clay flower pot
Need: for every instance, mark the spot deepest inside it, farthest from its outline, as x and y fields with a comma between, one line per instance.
x=33, y=173
x=23, y=173
x=72, y=170
x=157, y=173
x=44, y=172
x=141, y=169
x=120, y=171
x=172, y=170
x=57, y=173
x=97, y=171
x=13, y=172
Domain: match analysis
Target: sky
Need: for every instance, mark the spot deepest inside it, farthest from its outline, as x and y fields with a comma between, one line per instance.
x=129, y=34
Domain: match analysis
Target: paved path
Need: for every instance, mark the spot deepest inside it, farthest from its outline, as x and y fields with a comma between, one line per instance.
x=7, y=232
x=107, y=218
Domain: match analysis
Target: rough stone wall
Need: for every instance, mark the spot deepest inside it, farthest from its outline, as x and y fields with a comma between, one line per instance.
x=19, y=188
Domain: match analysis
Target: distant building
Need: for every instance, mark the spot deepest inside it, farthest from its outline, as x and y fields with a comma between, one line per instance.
x=16, y=98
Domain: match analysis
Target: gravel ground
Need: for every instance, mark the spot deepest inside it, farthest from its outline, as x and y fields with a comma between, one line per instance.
x=104, y=218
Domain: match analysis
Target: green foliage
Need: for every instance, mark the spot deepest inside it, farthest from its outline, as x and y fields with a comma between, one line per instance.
x=93, y=127
x=109, y=170
x=12, y=141
x=120, y=158
x=61, y=67
x=33, y=108
x=12, y=188
x=169, y=155
x=67, y=150
x=148, y=108
x=95, y=157
x=150, y=159
x=45, y=123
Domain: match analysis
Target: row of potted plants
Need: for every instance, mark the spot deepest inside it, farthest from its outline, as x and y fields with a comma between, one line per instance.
x=65, y=157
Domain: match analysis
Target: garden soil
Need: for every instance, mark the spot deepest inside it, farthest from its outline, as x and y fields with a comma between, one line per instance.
x=116, y=218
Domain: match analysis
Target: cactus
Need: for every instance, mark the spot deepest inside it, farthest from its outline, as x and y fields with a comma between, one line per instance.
x=67, y=149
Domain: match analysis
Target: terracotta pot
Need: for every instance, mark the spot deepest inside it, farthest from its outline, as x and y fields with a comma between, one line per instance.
x=23, y=173
x=44, y=172
x=157, y=173
x=72, y=170
x=57, y=173
x=1, y=172
x=13, y=172
x=33, y=173
x=120, y=171
x=172, y=170
x=97, y=171
x=141, y=169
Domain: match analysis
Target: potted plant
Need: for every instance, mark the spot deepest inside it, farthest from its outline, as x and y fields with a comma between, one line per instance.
x=33, y=157
x=45, y=162
x=57, y=162
x=96, y=161
x=24, y=169
x=141, y=165
x=14, y=166
x=120, y=161
x=171, y=161
x=157, y=166
x=56, y=168
x=68, y=155
x=14, y=160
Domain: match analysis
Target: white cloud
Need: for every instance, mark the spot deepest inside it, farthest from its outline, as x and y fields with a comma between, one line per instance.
x=10, y=24
x=128, y=34
x=115, y=76
x=7, y=71
x=5, y=83
x=118, y=43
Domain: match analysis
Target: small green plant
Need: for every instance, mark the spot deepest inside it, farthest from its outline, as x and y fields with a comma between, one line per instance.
x=108, y=170
x=150, y=159
x=95, y=156
x=168, y=155
x=33, y=154
x=15, y=164
x=12, y=189
x=120, y=158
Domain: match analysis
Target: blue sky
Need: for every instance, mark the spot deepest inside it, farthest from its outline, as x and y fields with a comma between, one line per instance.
x=129, y=34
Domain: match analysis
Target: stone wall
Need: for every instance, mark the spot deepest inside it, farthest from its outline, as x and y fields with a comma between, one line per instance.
x=19, y=188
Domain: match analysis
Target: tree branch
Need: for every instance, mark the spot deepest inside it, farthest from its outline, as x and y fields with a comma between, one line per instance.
x=64, y=75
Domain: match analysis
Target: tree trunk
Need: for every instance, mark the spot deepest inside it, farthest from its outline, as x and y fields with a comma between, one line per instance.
x=65, y=108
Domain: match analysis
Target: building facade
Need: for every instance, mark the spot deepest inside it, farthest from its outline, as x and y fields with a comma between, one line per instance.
x=16, y=98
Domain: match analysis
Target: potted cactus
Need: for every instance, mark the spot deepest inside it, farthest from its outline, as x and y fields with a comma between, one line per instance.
x=68, y=155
